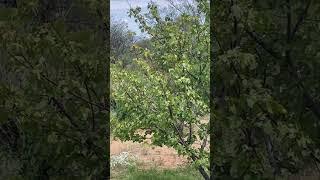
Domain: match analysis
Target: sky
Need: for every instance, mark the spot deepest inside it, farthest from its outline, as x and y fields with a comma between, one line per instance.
x=119, y=11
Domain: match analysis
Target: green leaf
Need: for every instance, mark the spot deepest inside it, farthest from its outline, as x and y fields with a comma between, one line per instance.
x=250, y=102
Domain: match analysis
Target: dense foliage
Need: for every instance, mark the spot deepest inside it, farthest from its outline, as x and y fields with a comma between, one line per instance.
x=54, y=96
x=165, y=91
x=266, y=88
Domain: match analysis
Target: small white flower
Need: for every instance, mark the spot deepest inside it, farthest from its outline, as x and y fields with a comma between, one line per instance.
x=121, y=159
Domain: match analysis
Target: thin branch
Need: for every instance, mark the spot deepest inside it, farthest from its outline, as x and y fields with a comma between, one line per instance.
x=262, y=44
x=204, y=143
x=301, y=19
x=63, y=111
x=91, y=107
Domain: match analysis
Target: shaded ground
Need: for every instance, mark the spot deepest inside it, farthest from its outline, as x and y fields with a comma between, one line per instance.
x=133, y=173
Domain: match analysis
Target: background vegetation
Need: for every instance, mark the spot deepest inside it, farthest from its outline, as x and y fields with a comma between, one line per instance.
x=265, y=113
x=53, y=89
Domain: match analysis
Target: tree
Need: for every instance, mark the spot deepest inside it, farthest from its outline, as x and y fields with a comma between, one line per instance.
x=121, y=40
x=166, y=90
x=61, y=106
x=266, y=84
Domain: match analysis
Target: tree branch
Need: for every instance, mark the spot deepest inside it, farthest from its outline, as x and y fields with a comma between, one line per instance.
x=63, y=111
x=91, y=107
x=263, y=44
x=302, y=17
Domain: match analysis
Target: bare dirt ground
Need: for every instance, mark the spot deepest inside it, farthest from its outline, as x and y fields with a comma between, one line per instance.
x=150, y=156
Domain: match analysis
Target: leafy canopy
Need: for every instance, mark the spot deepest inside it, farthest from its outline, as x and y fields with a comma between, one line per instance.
x=57, y=92
x=166, y=88
x=266, y=100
